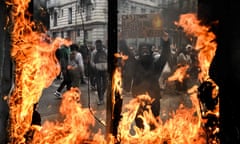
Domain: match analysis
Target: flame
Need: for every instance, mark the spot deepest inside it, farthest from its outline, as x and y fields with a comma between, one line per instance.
x=36, y=67
x=179, y=74
x=182, y=128
x=205, y=42
x=74, y=126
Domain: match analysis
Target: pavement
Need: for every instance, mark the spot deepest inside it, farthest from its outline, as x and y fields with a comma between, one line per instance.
x=49, y=104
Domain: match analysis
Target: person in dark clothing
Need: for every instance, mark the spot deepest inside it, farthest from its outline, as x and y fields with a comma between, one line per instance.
x=147, y=75
x=127, y=70
x=99, y=62
x=58, y=56
x=64, y=56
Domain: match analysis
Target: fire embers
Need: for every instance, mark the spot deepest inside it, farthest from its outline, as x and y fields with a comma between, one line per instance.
x=209, y=106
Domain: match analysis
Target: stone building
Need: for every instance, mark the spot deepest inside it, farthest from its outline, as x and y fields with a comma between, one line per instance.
x=78, y=20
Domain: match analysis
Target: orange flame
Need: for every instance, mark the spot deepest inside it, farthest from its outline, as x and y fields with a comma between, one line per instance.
x=74, y=127
x=182, y=128
x=35, y=68
x=179, y=74
x=205, y=42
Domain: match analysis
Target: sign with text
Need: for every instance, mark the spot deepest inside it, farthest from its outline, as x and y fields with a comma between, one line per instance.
x=141, y=25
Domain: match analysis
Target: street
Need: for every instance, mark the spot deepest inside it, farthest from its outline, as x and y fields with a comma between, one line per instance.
x=49, y=104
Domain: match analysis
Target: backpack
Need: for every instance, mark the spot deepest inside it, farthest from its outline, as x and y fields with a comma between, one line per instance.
x=100, y=59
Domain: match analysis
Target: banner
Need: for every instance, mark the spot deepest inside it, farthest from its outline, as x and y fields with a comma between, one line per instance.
x=141, y=25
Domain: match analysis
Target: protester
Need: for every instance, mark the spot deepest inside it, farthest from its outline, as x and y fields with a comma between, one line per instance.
x=76, y=66
x=127, y=68
x=92, y=71
x=85, y=55
x=183, y=59
x=64, y=57
x=99, y=62
x=147, y=73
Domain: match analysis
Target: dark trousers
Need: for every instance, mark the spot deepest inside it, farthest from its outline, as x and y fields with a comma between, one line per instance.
x=101, y=81
x=92, y=76
x=66, y=82
x=75, y=76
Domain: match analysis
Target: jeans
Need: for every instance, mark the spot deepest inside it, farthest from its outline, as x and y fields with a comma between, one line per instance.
x=101, y=81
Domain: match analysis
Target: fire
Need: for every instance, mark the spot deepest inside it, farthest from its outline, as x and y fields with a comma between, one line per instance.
x=36, y=67
x=185, y=124
x=205, y=42
x=74, y=126
x=179, y=74
x=182, y=128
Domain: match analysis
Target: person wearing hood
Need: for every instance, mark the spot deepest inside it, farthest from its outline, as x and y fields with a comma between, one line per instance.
x=146, y=78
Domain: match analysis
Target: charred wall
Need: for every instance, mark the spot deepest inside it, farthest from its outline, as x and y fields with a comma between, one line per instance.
x=5, y=71
x=225, y=67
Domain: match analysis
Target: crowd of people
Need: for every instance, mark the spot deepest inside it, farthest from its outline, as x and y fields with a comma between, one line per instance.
x=78, y=62
x=141, y=71
x=148, y=69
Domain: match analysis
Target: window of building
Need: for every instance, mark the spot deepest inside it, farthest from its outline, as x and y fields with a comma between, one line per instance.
x=152, y=11
x=143, y=10
x=69, y=15
x=78, y=32
x=88, y=12
x=79, y=8
x=54, y=34
x=69, y=34
x=133, y=9
x=55, y=18
x=86, y=34
x=62, y=34
x=62, y=12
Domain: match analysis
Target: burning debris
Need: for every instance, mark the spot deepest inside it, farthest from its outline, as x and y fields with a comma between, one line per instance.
x=209, y=106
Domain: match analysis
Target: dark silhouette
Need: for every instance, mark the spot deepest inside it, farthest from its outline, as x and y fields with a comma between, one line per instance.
x=127, y=68
x=63, y=55
x=147, y=73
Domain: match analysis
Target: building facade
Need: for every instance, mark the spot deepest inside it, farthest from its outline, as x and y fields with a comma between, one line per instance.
x=82, y=21
x=169, y=10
